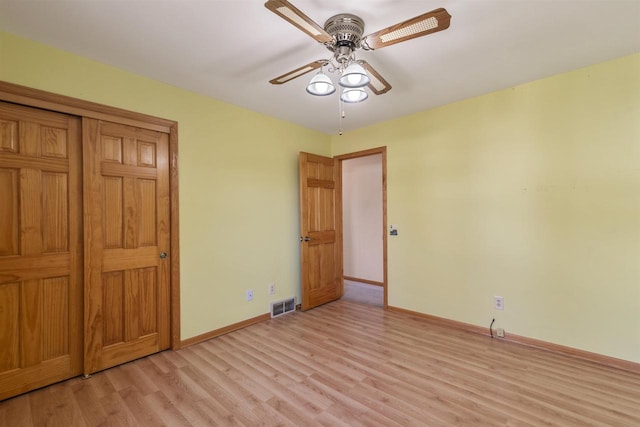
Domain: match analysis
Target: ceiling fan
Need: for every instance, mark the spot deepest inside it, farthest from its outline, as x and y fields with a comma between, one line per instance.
x=342, y=34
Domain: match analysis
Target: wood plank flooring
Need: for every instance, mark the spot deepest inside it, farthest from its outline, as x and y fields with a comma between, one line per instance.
x=342, y=364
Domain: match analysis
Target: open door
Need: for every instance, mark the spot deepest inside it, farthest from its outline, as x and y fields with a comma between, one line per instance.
x=321, y=252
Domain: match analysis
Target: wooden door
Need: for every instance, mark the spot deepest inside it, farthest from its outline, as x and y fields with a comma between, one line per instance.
x=40, y=248
x=126, y=190
x=321, y=251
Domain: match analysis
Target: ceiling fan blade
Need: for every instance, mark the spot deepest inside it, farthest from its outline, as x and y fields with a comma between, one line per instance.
x=290, y=13
x=377, y=83
x=427, y=23
x=297, y=72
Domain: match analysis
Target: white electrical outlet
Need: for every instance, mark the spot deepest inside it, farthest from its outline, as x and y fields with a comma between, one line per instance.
x=250, y=295
x=272, y=288
x=498, y=302
x=500, y=332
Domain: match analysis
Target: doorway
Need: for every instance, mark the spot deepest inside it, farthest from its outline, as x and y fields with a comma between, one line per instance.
x=363, y=200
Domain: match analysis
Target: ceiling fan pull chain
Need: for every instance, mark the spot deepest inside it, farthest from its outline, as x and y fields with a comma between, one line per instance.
x=342, y=114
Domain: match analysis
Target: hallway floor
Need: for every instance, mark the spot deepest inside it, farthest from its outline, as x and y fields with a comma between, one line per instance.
x=363, y=293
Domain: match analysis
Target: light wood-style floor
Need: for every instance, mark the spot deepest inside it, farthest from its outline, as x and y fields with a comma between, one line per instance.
x=342, y=364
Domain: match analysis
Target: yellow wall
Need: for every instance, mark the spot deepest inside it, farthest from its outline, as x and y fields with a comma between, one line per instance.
x=238, y=181
x=531, y=193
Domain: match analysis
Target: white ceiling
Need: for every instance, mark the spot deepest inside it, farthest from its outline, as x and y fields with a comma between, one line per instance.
x=229, y=50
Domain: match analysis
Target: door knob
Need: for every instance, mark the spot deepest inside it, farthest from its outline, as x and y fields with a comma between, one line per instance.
x=163, y=255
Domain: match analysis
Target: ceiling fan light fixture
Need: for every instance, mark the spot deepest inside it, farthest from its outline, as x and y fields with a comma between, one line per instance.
x=354, y=76
x=354, y=95
x=321, y=85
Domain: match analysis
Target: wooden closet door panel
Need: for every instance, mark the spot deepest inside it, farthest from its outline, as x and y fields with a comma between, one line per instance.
x=40, y=248
x=126, y=177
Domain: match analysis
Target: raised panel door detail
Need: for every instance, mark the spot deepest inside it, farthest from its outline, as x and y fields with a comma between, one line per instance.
x=10, y=330
x=55, y=317
x=146, y=154
x=111, y=149
x=147, y=201
x=55, y=221
x=130, y=212
x=53, y=142
x=140, y=303
x=113, y=302
x=148, y=296
x=30, y=323
x=9, y=136
x=113, y=225
x=31, y=211
x=9, y=218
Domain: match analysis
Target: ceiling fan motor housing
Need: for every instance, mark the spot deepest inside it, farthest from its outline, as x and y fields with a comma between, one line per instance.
x=346, y=30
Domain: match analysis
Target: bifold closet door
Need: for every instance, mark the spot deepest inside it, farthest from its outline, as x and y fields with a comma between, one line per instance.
x=126, y=235
x=40, y=248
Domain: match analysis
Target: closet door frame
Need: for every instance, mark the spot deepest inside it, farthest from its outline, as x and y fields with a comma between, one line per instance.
x=30, y=97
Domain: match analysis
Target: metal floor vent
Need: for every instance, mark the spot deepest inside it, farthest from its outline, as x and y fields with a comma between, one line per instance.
x=278, y=308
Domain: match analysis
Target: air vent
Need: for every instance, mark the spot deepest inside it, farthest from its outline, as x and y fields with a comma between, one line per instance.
x=278, y=308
